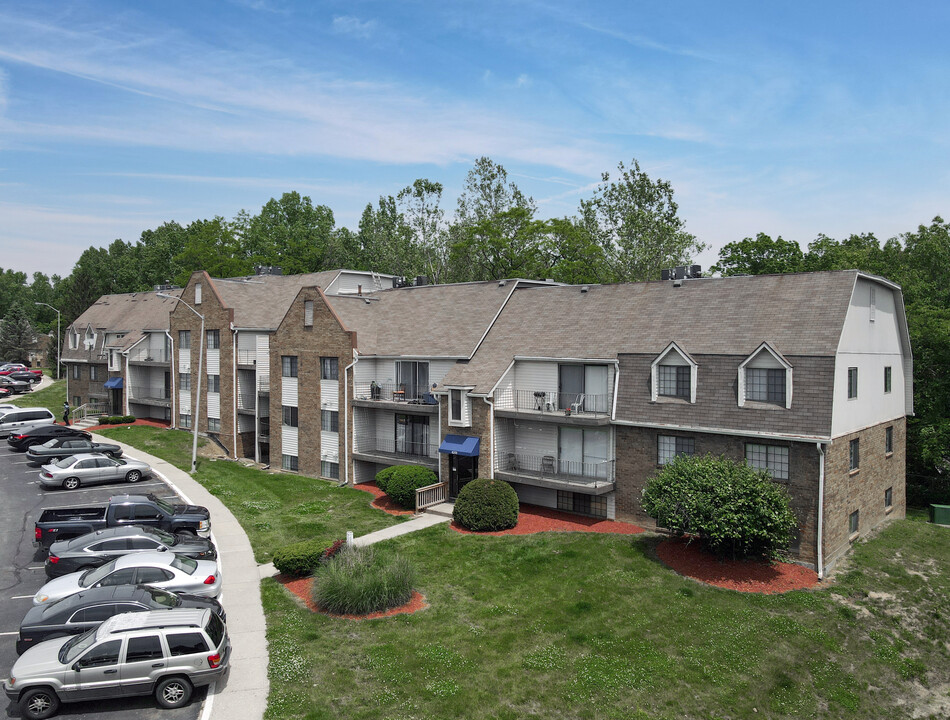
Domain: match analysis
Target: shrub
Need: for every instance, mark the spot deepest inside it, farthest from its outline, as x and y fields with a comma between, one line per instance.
x=485, y=505
x=360, y=580
x=383, y=477
x=405, y=480
x=733, y=508
x=116, y=419
x=300, y=558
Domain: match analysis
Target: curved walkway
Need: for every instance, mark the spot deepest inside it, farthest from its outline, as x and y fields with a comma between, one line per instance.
x=242, y=694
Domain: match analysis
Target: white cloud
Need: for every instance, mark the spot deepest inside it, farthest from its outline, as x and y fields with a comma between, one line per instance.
x=348, y=25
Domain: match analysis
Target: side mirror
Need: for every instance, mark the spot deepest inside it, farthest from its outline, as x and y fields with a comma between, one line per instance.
x=76, y=666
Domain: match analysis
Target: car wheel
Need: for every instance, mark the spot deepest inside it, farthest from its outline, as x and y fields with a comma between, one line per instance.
x=38, y=703
x=133, y=476
x=173, y=692
x=71, y=483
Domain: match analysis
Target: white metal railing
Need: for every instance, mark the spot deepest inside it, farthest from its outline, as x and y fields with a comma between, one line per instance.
x=552, y=401
x=394, y=392
x=548, y=467
x=246, y=357
x=431, y=495
x=404, y=448
x=156, y=355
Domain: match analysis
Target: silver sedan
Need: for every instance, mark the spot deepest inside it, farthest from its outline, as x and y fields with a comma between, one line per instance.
x=90, y=469
x=163, y=570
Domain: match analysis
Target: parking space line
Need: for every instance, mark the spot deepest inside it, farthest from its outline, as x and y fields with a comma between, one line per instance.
x=93, y=489
x=21, y=597
x=9, y=633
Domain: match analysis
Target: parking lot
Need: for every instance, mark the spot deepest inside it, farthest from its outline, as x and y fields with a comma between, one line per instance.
x=21, y=574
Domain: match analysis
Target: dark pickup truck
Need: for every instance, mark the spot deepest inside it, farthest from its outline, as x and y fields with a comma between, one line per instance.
x=64, y=523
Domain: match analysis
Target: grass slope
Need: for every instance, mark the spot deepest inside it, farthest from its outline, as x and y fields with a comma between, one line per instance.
x=51, y=397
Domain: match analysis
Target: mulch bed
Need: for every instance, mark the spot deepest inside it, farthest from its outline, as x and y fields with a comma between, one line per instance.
x=382, y=500
x=164, y=424
x=535, y=519
x=752, y=576
x=301, y=588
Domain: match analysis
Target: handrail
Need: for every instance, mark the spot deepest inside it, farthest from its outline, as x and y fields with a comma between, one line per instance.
x=431, y=495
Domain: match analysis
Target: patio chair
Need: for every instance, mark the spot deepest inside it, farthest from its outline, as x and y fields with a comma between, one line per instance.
x=578, y=405
x=547, y=464
x=512, y=462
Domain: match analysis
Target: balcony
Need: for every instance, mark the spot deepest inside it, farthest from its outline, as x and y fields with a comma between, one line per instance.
x=386, y=450
x=593, y=478
x=581, y=408
x=160, y=397
x=263, y=385
x=154, y=356
x=246, y=402
x=263, y=430
x=393, y=396
x=247, y=357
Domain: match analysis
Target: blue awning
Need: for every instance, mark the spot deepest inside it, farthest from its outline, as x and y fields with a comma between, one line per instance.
x=114, y=383
x=460, y=445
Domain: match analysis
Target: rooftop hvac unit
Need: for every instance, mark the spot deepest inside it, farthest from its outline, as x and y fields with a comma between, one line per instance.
x=940, y=514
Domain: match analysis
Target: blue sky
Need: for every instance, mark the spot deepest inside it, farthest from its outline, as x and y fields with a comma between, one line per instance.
x=792, y=119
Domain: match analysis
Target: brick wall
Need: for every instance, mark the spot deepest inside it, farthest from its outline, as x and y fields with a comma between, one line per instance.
x=863, y=489
x=90, y=390
x=481, y=428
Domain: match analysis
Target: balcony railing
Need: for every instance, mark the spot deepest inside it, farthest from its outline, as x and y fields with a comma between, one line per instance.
x=246, y=401
x=263, y=429
x=263, y=384
x=547, y=467
x=388, y=445
x=554, y=402
x=145, y=394
x=393, y=393
x=152, y=355
x=246, y=357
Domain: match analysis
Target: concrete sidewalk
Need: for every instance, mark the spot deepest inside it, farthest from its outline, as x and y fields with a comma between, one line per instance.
x=242, y=693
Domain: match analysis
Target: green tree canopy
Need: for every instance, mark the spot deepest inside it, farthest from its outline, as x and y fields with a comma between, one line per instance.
x=759, y=256
x=16, y=335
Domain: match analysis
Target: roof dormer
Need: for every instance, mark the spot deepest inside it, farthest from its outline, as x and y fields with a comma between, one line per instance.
x=765, y=378
x=673, y=375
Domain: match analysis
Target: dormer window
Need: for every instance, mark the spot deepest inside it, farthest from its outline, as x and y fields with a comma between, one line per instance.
x=197, y=293
x=765, y=377
x=89, y=341
x=674, y=375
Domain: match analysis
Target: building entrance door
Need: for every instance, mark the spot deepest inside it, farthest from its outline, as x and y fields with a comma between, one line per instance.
x=462, y=469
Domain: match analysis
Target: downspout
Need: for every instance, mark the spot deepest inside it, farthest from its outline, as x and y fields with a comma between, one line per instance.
x=491, y=436
x=440, y=436
x=126, y=393
x=346, y=419
x=234, y=391
x=171, y=371
x=821, y=508
x=613, y=410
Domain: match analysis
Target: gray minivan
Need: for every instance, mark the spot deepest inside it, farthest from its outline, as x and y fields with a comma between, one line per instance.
x=21, y=420
x=165, y=653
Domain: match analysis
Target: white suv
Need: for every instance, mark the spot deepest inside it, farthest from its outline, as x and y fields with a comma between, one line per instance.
x=165, y=652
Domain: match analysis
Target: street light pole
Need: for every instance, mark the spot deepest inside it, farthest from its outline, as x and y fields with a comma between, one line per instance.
x=57, y=334
x=197, y=407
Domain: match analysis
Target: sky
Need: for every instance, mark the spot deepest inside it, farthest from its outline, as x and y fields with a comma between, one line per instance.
x=791, y=119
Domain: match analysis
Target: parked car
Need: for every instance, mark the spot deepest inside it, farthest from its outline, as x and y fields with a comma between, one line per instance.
x=64, y=523
x=22, y=420
x=92, y=469
x=99, y=547
x=85, y=610
x=21, y=372
x=15, y=386
x=166, y=653
x=39, y=435
x=5, y=392
x=64, y=446
x=160, y=569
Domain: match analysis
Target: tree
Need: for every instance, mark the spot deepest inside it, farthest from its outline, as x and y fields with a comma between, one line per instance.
x=16, y=335
x=571, y=255
x=419, y=204
x=759, y=256
x=292, y=233
x=636, y=222
x=211, y=245
x=386, y=240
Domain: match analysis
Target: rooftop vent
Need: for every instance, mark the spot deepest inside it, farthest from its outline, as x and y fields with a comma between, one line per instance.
x=268, y=270
x=585, y=288
x=681, y=272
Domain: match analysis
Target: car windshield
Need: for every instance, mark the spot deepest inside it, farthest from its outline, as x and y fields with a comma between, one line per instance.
x=158, y=534
x=65, y=462
x=165, y=506
x=91, y=577
x=164, y=598
x=77, y=645
x=185, y=564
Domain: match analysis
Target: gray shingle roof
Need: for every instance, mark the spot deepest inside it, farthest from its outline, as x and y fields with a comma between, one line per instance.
x=798, y=314
x=261, y=301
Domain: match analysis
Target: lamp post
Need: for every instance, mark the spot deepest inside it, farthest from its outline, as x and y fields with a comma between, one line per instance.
x=201, y=352
x=57, y=333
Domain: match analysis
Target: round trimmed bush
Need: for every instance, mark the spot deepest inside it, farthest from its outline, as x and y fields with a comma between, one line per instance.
x=405, y=480
x=300, y=558
x=383, y=477
x=360, y=580
x=485, y=505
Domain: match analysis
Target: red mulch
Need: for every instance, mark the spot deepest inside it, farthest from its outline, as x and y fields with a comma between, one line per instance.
x=383, y=501
x=754, y=576
x=534, y=519
x=147, y=423
x=301, y=588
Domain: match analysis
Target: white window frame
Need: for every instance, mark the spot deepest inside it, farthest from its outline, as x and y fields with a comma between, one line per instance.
x=197, y=293
x=465, y=407
x=655, y=373
x=765, y=347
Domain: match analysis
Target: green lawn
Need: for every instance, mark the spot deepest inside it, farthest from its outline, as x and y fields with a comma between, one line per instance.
x=569, y=625
x=51, y=397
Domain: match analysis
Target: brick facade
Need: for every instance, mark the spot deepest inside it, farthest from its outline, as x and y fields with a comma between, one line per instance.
x=480, y=427
x=89, y=390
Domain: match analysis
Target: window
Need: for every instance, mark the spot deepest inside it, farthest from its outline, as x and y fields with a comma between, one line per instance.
x=673, y=381
x=852, y=382
x=308, y=313
x=119, y=577
x=213, y=339
x=143, y=648
x=95, y=614
x=214, y=383
x=184, y=381
x=214, y=424
x=290, y=415
x=595, y=505
x=412, y=434
x=93, y=372
x=330, y=420
x=669, y=446
x=197, y=293
x=141, y=543
x=288, y=365
x=330, y=469
x=413, y=378
x=765, y=385
x=77, y=372
x=889, y=498
x=888, y=440
x=184, y=421
x=872, y=305
x=289, y=462
x=854, y=521
x=328, y=368
x=105, y=654
x=887, y=379
x=854, y=454
x=772, y=458
x=77, y=401
x=184, y=339
x=455, y=405
x=186, y=644
x=145, y=575
x=582, y=387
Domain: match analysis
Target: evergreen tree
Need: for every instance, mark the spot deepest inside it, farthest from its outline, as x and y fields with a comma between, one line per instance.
x=16, y=335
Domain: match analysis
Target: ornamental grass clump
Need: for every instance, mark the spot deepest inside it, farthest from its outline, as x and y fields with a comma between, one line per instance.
x=733, y=508
x=485, y=505
x=360, y=580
